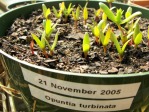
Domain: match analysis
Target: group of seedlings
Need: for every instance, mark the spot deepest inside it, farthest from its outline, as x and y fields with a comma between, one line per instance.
x=129, y=29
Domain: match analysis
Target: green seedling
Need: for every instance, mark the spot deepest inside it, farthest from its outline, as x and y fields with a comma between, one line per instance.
x=86, y=44
x=137, y=36
x=117, y=19
x=131, y=29
x=104, y=17
x=49, y=28
x=40, y=43
x=66, y=11
x=76, y=16
x=96, y=30
x=85, y=14
x=62, y=6
x=125, y=38
x=127, y=14
x=118, y=46
x=97, y=14
x=58, y=14
x=110, y=2
x=51, y=48
x=46, y=11
x=105, y=28
x=100, y=24
x=96, y=33
x=105, y=39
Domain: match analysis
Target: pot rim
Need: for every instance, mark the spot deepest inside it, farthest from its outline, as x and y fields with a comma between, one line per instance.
x=66, y=72
x=12, y=5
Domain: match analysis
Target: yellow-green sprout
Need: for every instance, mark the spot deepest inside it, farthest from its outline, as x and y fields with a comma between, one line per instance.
x=117, y=19
x=40, y=43
x=137, y=36
x=97, y=13
x=128, y=12
x=43, y=42
x=96, y=33
x=118, y=46
x=66, y=11
x=104, y=17
x=105, y=39
x=101, y=24
x=86, y=44
x=57, y=13
x=124, y=38
x=62, y=6
x=96, y=30
x=51, y=48
x=76, y=16
x=46, y=11
x=85, y=14
x=49, y=28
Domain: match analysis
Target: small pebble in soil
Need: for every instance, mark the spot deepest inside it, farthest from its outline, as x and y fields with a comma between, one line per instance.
x=97, y=64
x=128, y=70
x=76, y=70
x=146, y=68
x=103, y=72
x=84, y=67
x=113, y=70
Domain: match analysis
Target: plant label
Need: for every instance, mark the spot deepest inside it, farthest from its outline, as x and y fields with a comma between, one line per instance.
x=93, y=91
x=80, y=96
x=81, y=104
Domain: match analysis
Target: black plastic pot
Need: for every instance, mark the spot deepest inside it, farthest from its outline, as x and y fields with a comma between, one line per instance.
x=60, y=91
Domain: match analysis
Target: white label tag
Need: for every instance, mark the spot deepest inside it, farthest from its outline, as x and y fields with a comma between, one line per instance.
x=81, y=90
x=81, y=104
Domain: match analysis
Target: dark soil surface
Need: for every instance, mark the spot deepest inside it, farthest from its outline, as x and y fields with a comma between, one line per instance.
x=68, y=54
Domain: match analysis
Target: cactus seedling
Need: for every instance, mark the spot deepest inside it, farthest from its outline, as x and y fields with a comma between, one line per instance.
x=97, y=13
x=118, y=47
x=104, y=17
x=117, y=19
x=128, y=12
x=46, y=11
x=40, y=43
x=85, y=14
x=96, y=33
x=105, y=39
x=76, y=16
x=86, y=44
x=66, y=11
x=96, y=30
x=51, y=48
x=57, y=13
x=137, y=36
x=49, y=28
